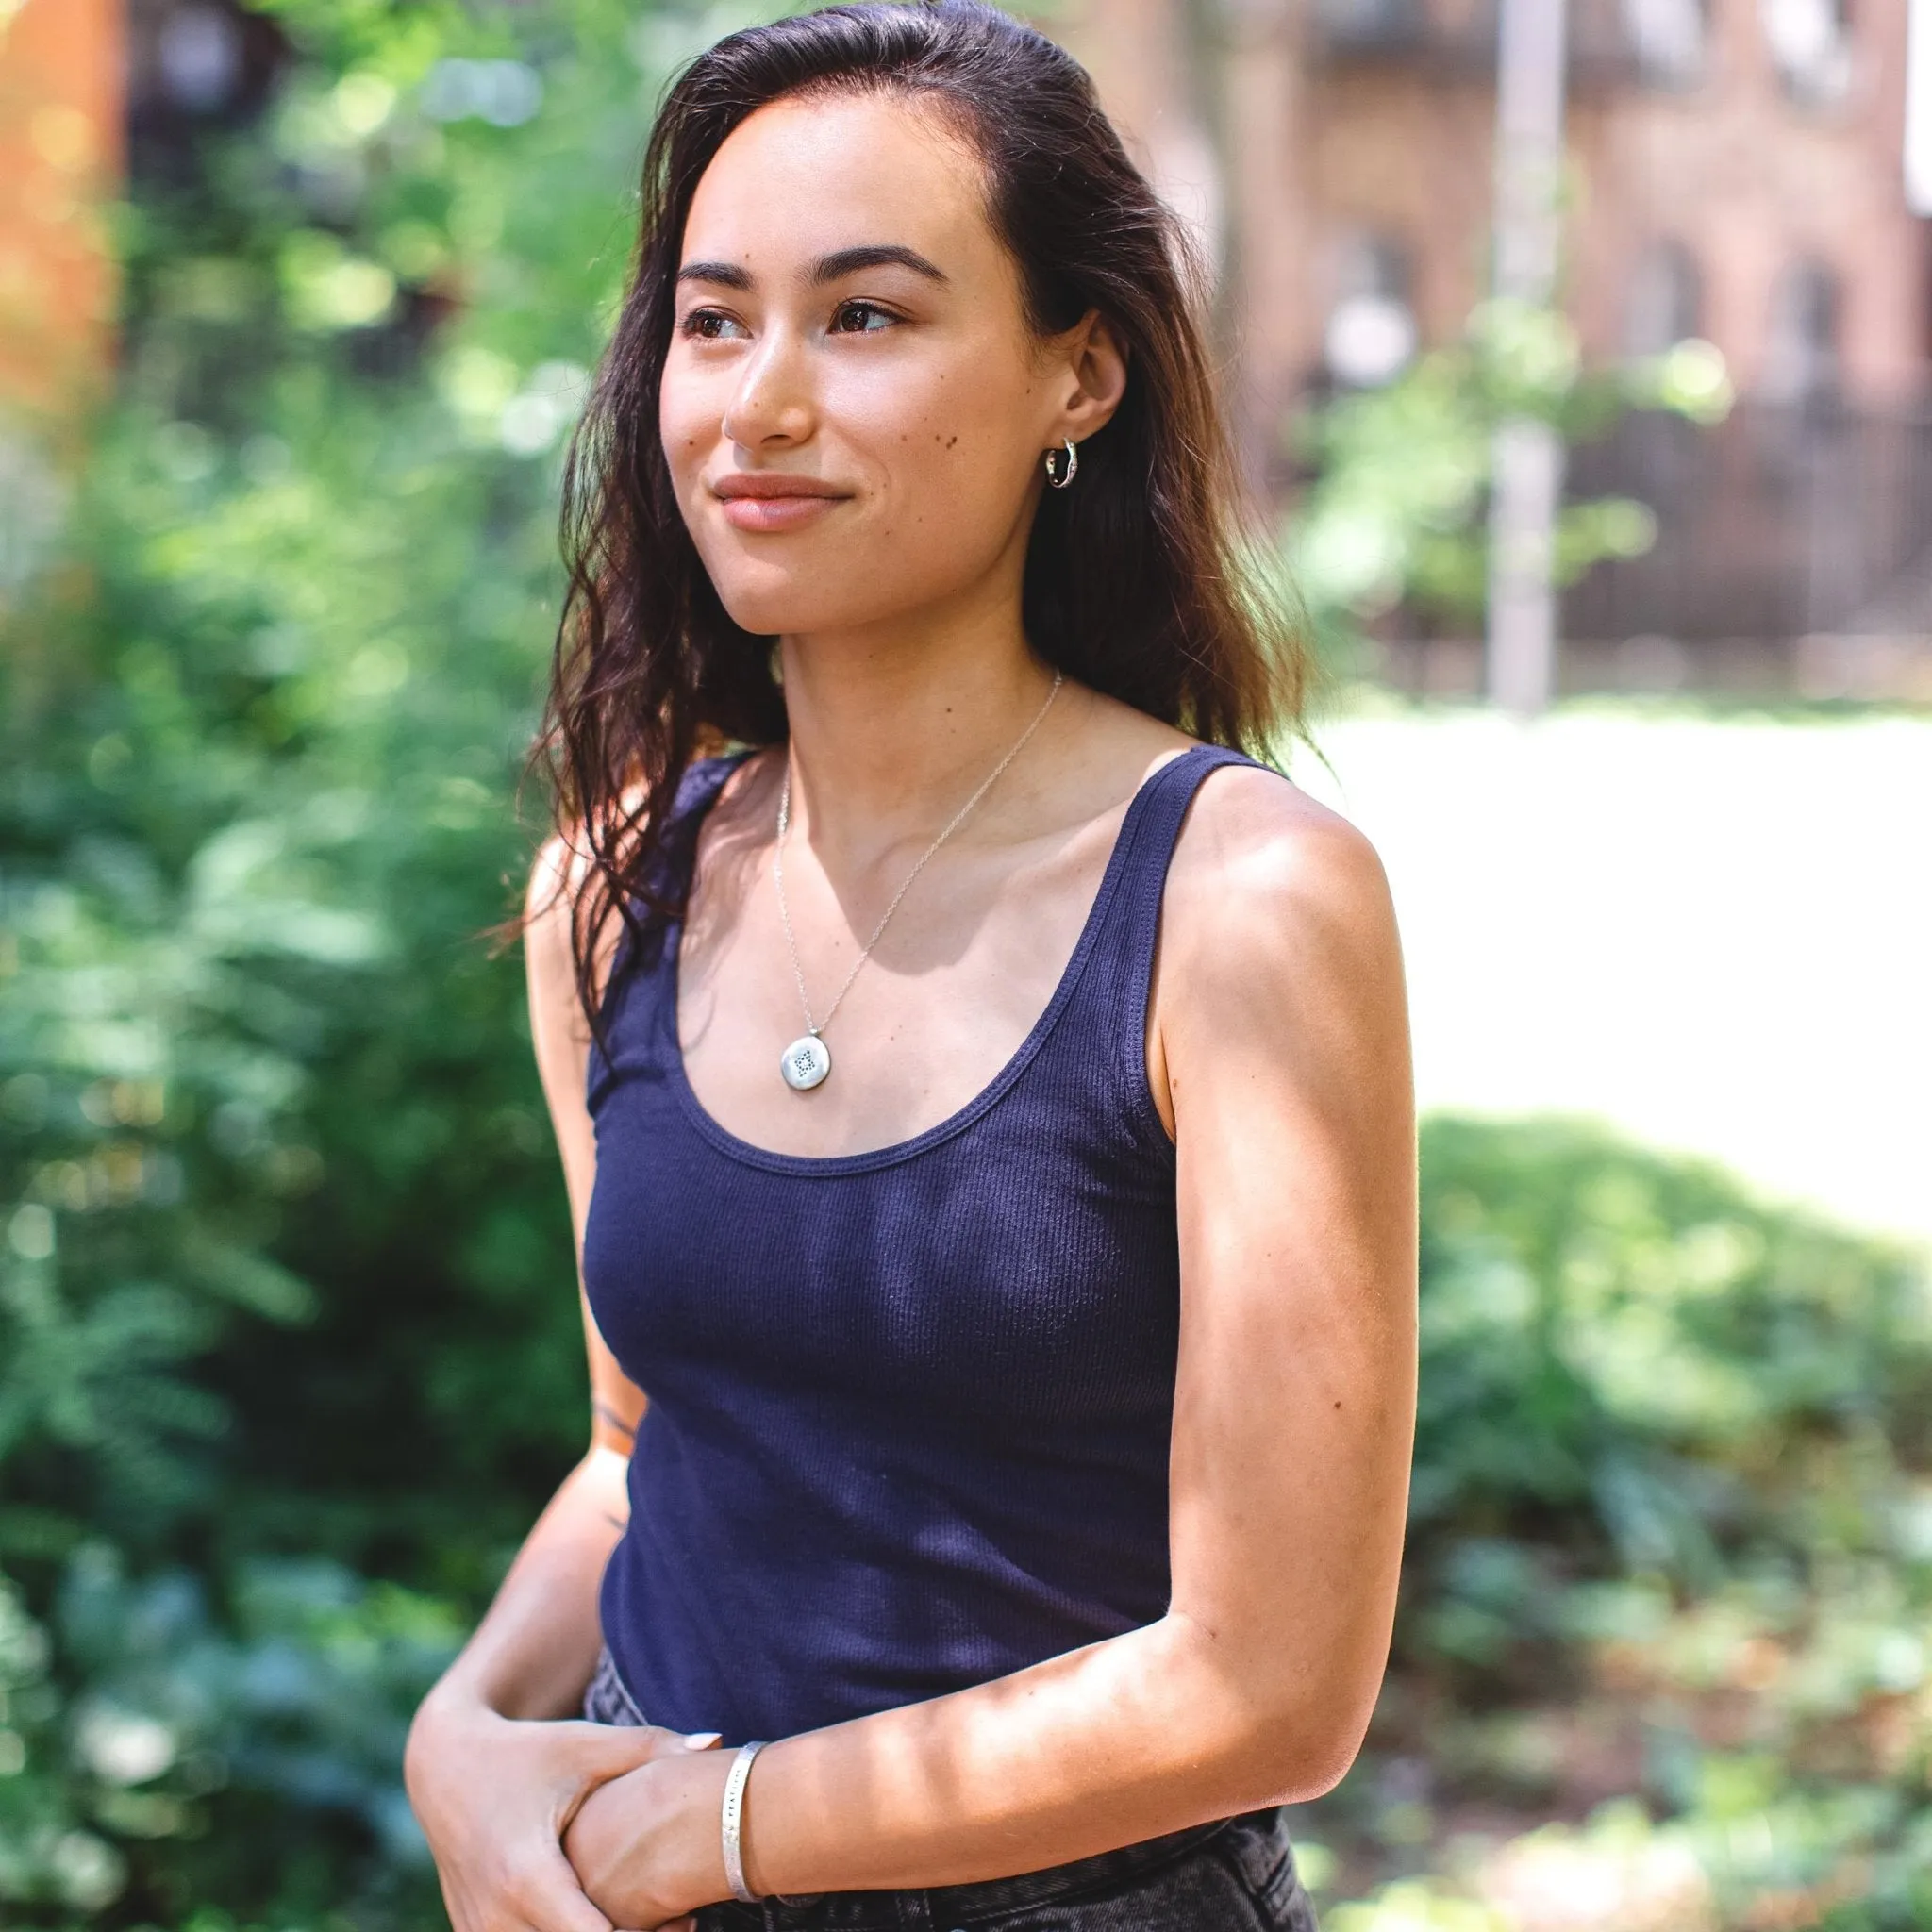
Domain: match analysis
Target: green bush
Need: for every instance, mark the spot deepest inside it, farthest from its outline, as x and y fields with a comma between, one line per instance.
x=286, y=1293
x=1671, y=1539
x=176, y=1759
x=1396, y=504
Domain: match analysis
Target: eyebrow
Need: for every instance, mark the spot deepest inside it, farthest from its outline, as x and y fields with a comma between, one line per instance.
x=828, y=268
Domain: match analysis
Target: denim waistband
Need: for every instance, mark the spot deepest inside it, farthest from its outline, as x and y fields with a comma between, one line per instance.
x=944, y=1907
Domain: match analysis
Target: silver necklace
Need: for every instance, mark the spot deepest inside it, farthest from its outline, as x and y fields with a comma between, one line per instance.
x=809, y=1060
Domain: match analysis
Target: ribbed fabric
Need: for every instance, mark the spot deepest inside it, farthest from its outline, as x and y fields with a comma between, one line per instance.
x=909, y=1410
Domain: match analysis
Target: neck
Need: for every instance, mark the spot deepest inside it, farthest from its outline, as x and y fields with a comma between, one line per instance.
x=891, y=732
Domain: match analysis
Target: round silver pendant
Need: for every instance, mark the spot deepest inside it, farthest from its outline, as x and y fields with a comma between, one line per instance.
x=807, y=1061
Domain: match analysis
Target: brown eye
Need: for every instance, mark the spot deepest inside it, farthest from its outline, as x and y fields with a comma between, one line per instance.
x=707, y=324
x=861, y=318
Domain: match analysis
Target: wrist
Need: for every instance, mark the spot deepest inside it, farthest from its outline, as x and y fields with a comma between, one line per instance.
x=448, y=1710
x=454, y=1698
x=697, y=1848
x=445, y=1734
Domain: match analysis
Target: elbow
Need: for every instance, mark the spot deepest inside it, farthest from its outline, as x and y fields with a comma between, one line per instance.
x=1300, y=1746
x=1314, y=1766
x=1280, y=1726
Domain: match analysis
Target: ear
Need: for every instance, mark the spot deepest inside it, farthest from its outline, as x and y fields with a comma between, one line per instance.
x=1091, y=373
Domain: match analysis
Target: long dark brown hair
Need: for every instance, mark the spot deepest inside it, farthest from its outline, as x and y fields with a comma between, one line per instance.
x=1142, y=580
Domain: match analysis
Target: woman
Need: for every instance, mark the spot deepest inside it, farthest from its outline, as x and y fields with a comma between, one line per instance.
x=984, y=1100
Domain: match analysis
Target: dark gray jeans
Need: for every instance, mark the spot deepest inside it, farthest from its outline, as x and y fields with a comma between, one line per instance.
x=1235, y=1874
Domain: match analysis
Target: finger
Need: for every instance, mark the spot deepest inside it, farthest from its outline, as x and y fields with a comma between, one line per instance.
x=485, y=1915
x=531, y=1912
x=545, y=1892
x=583, y=1918
x=468, y=1913
x=679, y=1744
x=629, y=1746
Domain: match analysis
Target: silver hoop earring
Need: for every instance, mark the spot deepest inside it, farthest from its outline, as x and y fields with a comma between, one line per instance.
x=1072, y=468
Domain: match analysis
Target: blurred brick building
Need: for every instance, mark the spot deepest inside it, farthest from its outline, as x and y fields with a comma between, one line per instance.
x=92, y=92
x=60, y=155
x=1735, y=171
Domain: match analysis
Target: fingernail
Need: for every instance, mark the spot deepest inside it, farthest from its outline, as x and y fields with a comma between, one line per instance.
x=703, y=1741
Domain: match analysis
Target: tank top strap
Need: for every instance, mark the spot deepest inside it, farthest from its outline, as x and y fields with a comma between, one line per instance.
x=1118, y=986
x=640, y=973
x=1158, y=812
x=698, y=787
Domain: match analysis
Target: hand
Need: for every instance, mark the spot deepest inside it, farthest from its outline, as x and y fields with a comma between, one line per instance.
x=495, y=1795
x=645, y=1846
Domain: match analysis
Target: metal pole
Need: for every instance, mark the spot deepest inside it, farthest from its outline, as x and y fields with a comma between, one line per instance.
x=1528, y=468
x=1918, y=156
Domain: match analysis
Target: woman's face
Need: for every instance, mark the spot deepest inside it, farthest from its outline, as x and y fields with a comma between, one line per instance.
x=848, y=325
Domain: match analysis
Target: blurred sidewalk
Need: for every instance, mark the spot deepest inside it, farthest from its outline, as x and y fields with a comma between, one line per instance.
x=1716, y=934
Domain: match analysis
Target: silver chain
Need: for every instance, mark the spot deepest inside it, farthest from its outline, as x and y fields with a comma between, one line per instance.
x=815, y=1027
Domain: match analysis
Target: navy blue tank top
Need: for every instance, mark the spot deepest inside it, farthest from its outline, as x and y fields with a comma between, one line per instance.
x=908, y=1409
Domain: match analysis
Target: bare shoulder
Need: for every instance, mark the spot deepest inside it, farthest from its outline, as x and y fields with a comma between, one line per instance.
x=1279, y=967
x=555, y=873
x=557, y=876
x=1262, y=872
x=560, y=874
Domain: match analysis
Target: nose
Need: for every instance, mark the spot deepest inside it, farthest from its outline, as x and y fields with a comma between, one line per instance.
x=773, y=403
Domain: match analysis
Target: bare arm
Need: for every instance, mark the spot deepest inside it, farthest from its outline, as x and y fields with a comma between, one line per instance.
x=495, y=1791
x=1281, y=1053
x=534, y=1651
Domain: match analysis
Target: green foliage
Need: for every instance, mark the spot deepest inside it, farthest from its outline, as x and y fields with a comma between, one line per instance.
x=265, y=1101
x=1671, y=1542
x=1615, y=1338
x=256, y=1757
x=1397, y=509
x=286, y=1289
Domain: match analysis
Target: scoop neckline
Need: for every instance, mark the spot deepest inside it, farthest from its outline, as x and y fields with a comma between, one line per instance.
x=771, y=1158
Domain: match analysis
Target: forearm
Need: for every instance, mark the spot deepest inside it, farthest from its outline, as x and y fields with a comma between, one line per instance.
x=1146, y=1733
x=535, y=1649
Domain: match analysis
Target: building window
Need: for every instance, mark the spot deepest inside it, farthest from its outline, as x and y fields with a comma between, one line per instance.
x=1371, y=334
x=199, y=50
x=1810, y=42
x=1801, y=350
x=1663, y=303
x=1667, y=39
x=1369, y=22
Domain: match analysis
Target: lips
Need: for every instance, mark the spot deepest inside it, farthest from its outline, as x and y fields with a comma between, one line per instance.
x=769, y=500
x=766, y=485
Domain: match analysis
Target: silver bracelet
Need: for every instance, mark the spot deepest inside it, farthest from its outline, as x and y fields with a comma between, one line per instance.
x=731, y=1822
